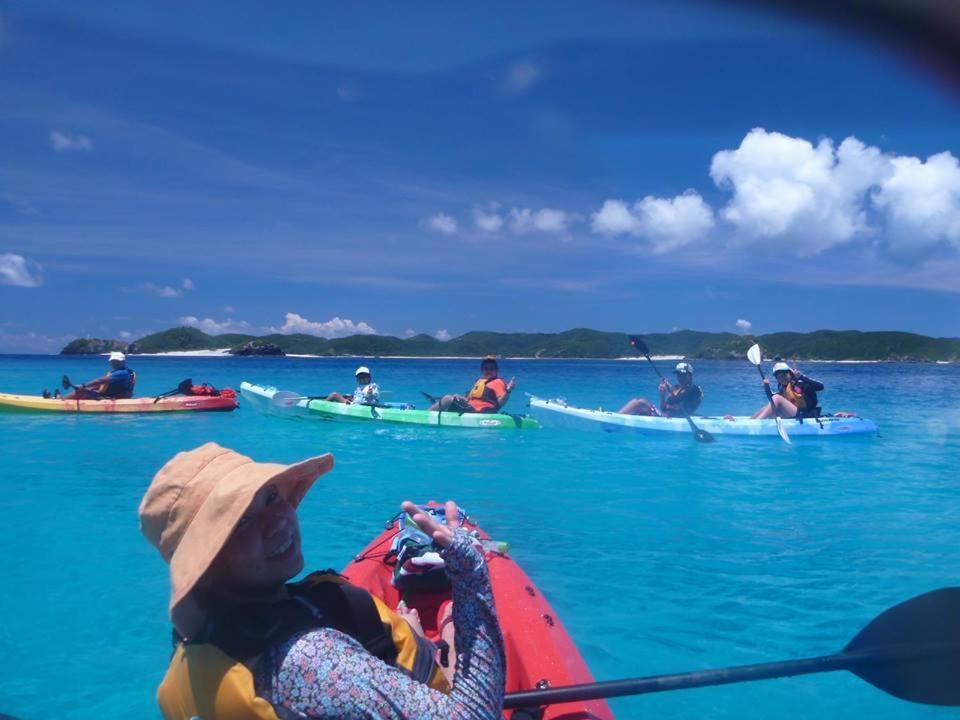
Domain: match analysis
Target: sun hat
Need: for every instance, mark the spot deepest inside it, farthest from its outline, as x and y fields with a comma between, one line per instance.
x=362, y=370
x=117, y=356
x=193, y=505
x=781, y=367
x=683, y=367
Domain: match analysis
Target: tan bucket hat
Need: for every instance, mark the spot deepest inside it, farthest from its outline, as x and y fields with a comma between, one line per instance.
x=195, y=502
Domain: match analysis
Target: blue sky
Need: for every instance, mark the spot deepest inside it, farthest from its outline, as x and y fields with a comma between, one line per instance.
x=415, y=167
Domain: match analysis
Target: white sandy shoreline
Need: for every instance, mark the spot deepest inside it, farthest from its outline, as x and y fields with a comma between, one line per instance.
x=225, y=353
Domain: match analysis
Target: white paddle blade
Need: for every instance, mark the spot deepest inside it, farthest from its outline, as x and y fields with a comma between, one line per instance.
x=285, y=398
x=783, y=432
x=754, y=355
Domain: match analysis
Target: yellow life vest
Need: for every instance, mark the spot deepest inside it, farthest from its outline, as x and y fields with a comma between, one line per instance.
x=204, y=681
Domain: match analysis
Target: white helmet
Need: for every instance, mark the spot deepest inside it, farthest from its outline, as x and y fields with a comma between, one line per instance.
x=683, y=367
x=362, y=370
x=781, y=367
x=117, y=356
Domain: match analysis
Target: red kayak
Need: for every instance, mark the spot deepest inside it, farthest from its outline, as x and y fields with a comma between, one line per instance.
x=539, y=651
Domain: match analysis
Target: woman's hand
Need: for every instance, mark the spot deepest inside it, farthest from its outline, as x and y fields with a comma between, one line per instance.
x=442, y=534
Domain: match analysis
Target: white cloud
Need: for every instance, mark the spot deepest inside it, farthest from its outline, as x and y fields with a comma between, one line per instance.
x=31, y=342
x=488, y=218
x=125, y=335
x=524, y=220
x=921, y=201
x=442, y=335
x=668, y=223
x=229, y=309
x=614, y=218
x=409, y=333
x=164, y=291
x=809, y=197
x=744, y=325
x=336, y=327
x=212, y=327
x=167, y=291
x=671, y=223
x=521, y=77
x=16, y=270
x=441, y=223
x=65, y=142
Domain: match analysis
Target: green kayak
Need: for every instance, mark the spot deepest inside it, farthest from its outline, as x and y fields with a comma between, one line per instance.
x=271, y=400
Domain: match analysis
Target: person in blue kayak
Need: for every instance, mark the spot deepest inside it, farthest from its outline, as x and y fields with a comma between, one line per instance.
x=796, y=394
x=367, y=392
x=488, y=395
x=675, y=400
x=118, y=383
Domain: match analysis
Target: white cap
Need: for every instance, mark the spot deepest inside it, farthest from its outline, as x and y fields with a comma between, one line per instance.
x=781, y=367
x=362, y=370
x=116, y=356
x=683, y=367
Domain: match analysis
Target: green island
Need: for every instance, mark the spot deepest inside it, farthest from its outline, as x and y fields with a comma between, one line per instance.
x=577, y=343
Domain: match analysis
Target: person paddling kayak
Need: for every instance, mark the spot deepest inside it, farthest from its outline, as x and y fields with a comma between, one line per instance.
x=117, y=383
x=796, y=394
x=675, y=400
x=488, y=395
x=250, y=644
x=367, y=392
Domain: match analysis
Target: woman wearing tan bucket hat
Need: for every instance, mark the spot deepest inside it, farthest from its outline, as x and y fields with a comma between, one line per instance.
x=252, y=645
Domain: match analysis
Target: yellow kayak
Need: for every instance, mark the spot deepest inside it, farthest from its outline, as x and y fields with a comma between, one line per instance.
x=179, y=403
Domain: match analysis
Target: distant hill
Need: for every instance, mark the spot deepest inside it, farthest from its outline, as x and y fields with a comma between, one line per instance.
x=577, y=343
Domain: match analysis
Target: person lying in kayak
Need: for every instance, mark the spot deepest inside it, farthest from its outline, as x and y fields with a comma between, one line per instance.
x=251, y=644
x=488, y=395
x=796, y=394
x=117, y=383
x=367, y=392
x=675, y=400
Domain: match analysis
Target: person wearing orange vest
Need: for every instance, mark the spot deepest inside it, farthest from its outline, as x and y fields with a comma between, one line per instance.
x=251, y=645
x=796, y=395
x=488, y=395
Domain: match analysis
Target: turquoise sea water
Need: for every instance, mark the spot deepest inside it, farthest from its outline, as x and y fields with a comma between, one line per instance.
x=658, y=554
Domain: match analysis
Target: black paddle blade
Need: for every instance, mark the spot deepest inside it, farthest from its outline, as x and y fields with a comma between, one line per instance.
x=65, y=383
x=428, y=396
x=912, y=650
x=639, y=344
x=703, y=436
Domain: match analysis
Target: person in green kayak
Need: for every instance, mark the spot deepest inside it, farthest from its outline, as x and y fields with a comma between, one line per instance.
x=488, y=395
x=252, y=644
x=675, y=400
x=118, y=383
x=367, y=392
x=796, y=395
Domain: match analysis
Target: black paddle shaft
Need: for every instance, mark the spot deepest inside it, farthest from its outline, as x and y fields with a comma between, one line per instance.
x=911, y=651
x=698, y=434
x=851, y=660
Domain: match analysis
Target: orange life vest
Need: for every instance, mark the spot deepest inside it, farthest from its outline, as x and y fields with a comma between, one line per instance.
x=484, y=394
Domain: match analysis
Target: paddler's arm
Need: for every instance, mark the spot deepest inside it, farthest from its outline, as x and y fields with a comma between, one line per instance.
x=326, y=674
x=98, y=384
x=814, y=384
x=505, y=398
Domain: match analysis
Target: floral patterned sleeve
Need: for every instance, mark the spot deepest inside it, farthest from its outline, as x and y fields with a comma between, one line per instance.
x=327, y=674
